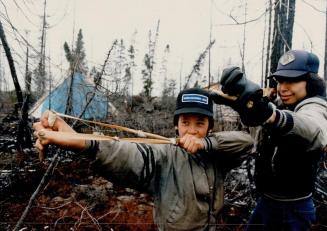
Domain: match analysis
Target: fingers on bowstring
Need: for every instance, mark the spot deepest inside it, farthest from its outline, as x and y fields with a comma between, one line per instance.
x=39, y=145
x=41, y=154
x=40, y=149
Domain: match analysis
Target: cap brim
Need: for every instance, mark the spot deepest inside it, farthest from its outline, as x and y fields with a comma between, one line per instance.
x=288, y=73
x=193, y=110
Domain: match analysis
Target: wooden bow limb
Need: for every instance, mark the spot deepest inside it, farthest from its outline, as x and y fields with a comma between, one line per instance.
x=113, y=126
x=222, y=94
x=43, y=134
x=269, y=92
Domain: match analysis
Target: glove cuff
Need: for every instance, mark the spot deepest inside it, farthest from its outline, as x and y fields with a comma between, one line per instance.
x=274, y=116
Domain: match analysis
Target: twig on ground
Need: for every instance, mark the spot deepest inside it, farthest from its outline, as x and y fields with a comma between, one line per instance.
x=85, y=209
x=117, y=211
x=42, y=183
x=53, y=208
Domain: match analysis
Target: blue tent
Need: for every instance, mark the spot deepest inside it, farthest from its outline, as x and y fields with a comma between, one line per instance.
x=81, y=91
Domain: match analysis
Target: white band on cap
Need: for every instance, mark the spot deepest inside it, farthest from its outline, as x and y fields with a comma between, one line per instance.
x=195, y=98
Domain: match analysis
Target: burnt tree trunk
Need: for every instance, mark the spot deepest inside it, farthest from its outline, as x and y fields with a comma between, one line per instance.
x=18, y=89
x=276, y=43
x=325, y=62
x=69, y=102
x=290, y=23
x=267, y=72
x=24, y=136
x=283, y=32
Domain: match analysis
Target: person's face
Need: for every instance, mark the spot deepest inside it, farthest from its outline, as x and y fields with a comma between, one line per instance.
x=193, y=124
x=291, y=92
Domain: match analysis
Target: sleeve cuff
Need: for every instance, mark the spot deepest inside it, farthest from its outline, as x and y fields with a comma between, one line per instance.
x=209, y=143
x=283, y=121
x=90, y=149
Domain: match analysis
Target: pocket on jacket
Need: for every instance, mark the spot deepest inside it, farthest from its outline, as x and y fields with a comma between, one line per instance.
x=176, y=211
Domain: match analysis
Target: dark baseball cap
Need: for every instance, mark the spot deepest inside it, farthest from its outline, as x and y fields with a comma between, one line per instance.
x=296, y=63
x=195, y=101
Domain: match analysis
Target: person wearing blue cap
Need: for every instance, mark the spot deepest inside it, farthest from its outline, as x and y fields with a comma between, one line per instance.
x=289, y=143
x=290, y=146
x=186, y=180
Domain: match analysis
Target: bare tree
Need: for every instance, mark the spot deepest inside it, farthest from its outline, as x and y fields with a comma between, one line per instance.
x=325, y=63
x=268, y=44
x=40, y=74
x=128, y=67
x=28, y=83
x=132, y=65
x=149, y=63
x=76, y=59
x=244, y=37
x=283, y=31
x=1, y=73
x=199, y=62
x=97, y=82
x=263, y=52
x=120, y=73
x=290, y=23
x=164, y=71
x=24, y=131
x=11, y=63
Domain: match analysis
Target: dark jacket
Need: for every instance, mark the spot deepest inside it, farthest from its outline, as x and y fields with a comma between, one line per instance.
x=289, y=150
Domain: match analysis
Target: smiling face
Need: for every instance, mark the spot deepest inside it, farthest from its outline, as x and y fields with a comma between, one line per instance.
x=291, y=92
x=193, y=124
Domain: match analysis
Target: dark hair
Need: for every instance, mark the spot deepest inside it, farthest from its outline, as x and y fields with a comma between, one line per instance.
x=211, y=121
x=316, y=86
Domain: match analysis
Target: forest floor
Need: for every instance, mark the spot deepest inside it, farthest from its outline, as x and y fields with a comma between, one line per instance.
x=76, y=198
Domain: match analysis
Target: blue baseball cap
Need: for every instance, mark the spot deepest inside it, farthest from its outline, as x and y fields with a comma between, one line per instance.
x=296, y=63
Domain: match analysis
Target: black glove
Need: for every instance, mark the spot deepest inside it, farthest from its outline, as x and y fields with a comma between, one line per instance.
x=255, y=112
x=229, y=81
x=232, y=81
x=254, y=109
